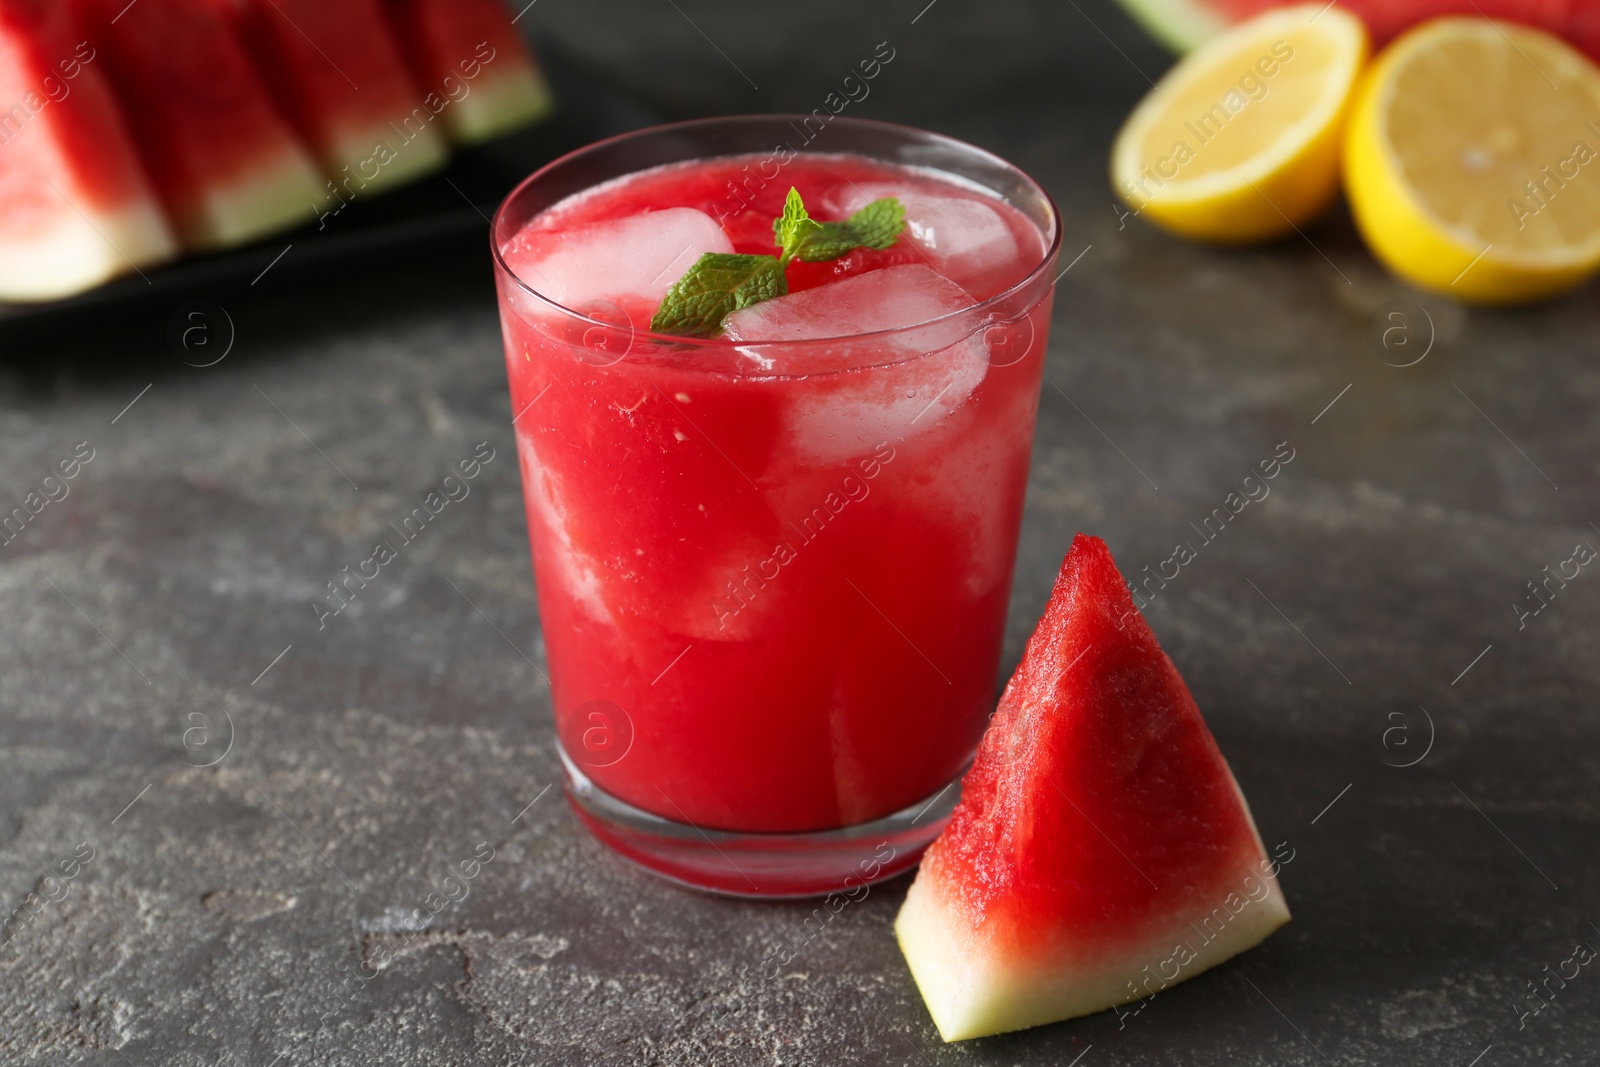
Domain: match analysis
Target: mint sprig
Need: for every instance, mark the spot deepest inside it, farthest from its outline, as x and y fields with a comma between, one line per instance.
x=790, y=229
x=877, y=225
x=720, y=283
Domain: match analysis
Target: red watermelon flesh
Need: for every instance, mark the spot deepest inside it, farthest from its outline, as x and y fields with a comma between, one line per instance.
x=337, y=71
x=225, y=163
x=475, y=70
x=1185, y=23
x=1101, y=850
x=75, y=206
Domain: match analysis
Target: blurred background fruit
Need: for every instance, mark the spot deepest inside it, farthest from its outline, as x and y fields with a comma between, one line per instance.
x=451, y=42
x=75, y=206
x=125, y=128
x=1240, y=141
x=224, y=160
x=338, y=73
x=1183, y=24
x=1464, y=147
x=1466, y=161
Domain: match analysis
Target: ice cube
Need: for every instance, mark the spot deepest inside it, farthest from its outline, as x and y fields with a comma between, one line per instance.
x=547, y=506
x=958, y=489
x=965, y=239
x=639, y=256
x=887, y=299
x=860, y=393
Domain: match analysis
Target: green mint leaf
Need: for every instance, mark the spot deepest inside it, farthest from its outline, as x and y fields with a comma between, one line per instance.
x=792, y=227
x=718, y=284
x=878, y=225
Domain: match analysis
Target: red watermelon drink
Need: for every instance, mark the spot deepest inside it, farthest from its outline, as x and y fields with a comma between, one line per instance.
x=774, y=411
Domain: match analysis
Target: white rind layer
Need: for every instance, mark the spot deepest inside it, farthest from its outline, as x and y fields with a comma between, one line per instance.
x=407, y=160
x=81, y=250
x=513, y=98
x=972, y=992
x=280, y=196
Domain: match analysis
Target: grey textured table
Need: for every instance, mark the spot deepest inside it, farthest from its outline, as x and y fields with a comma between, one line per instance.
x=1358, y=618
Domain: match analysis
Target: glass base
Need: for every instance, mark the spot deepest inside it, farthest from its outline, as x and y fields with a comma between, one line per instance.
x=739, y=864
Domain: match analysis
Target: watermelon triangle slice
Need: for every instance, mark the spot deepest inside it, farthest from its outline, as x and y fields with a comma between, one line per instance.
x=75, y=206
x=468, y=54
x=337, y=71
x=224, y=162
x=1101, y=850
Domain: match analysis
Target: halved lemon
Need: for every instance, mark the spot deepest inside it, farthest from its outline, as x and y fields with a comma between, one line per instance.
x=1240, y=140
x=1472, y=160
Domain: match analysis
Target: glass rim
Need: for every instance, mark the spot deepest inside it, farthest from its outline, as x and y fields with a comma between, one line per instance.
x=723, y=344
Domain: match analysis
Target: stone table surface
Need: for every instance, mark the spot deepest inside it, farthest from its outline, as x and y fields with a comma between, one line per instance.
x=1359, y=618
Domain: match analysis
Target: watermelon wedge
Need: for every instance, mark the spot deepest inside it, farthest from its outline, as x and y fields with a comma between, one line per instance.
x=1183, y=24
x=75, y=206
x=1101, y=850
x=337, y=71
x=474, y=69
x=224, y=161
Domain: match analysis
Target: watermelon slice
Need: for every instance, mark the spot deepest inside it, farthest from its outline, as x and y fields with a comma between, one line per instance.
x=75, y=207
x=224, y=161
x=337, y=71
x=1182, y=24
x=474, y=69
x=1101, y=850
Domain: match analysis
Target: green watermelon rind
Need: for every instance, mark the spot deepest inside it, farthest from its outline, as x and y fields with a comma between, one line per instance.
x=973, y=991
x=1179, y=24
x=515, y=98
